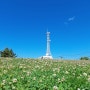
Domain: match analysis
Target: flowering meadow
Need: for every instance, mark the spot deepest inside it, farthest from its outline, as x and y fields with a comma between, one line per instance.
x=32, y=74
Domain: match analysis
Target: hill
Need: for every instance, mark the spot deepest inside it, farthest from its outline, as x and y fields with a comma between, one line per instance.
x=32, y=74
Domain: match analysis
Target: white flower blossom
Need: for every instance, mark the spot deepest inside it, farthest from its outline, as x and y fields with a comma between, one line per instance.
x=59, y=80
x=21, y=67
x=89, y=79
x=14, y=80
x=34, y=78
x=4, y=81
x=66, y=72
x=84, y=74
x=78, y=88
x=5, y=71
x=2, y=84
x=28, y=73
x=22, y=77
x=13, y=88
x=55, y=88
x=54, y=75
x=10, y=83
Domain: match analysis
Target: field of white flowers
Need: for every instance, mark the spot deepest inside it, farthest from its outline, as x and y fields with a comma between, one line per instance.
x=29, y=74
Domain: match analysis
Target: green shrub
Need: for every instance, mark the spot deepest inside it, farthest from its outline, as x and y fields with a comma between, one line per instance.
x=7, y=53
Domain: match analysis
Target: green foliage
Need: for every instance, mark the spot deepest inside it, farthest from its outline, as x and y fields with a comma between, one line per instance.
x=84, y=58
x=7, y=53
x=28, y=74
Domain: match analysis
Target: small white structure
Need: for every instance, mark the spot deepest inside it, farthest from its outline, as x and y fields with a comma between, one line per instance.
x=48, y=53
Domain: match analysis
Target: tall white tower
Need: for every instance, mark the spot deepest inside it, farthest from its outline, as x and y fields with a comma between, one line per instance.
x=48, y=53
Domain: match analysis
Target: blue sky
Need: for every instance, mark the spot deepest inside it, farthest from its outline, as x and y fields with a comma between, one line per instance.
x=23, y=26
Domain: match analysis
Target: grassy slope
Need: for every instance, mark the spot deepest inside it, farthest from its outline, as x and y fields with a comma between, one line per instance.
x=29, y=74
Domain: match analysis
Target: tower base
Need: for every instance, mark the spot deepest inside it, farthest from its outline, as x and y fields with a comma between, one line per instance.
x=47, y=57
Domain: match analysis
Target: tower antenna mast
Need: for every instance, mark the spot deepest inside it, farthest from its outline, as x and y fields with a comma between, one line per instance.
x=48, y=53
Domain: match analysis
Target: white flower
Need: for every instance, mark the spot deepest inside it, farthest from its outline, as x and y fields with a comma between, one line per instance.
x=66, y=72
x=84, y=74
x=40, y=80
x=80, y=75
x=28, y=73
x=4, y=81
x=37, y=66
x=43, y=76
x=59, y=80
x=22, y=77
x=73, y=74
x=21, y=67
x=55, y=88
x=34, y=78
x=54, y=75
x=5, y=71
x=13, y=87
x=78, y=88
x=63, y=79
x=58, y=70
x=54, y=70
x=24, y=67
x=2, y=84
x=10, y=83
x=89, y=79
x=14, y=80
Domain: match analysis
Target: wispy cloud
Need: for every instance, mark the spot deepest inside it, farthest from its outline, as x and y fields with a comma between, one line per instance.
x=71, y=18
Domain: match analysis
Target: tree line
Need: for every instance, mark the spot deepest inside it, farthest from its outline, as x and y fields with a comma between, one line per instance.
x=7, y=53
x=84, y=58
x=10, y=53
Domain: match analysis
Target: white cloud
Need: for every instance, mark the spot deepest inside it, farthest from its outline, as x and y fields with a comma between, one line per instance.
x=71, y=18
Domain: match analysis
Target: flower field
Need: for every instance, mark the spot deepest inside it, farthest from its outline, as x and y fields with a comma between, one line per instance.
x=29, y=74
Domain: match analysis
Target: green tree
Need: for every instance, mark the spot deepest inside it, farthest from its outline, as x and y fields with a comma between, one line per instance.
x=7, y=53
x=84, y=58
